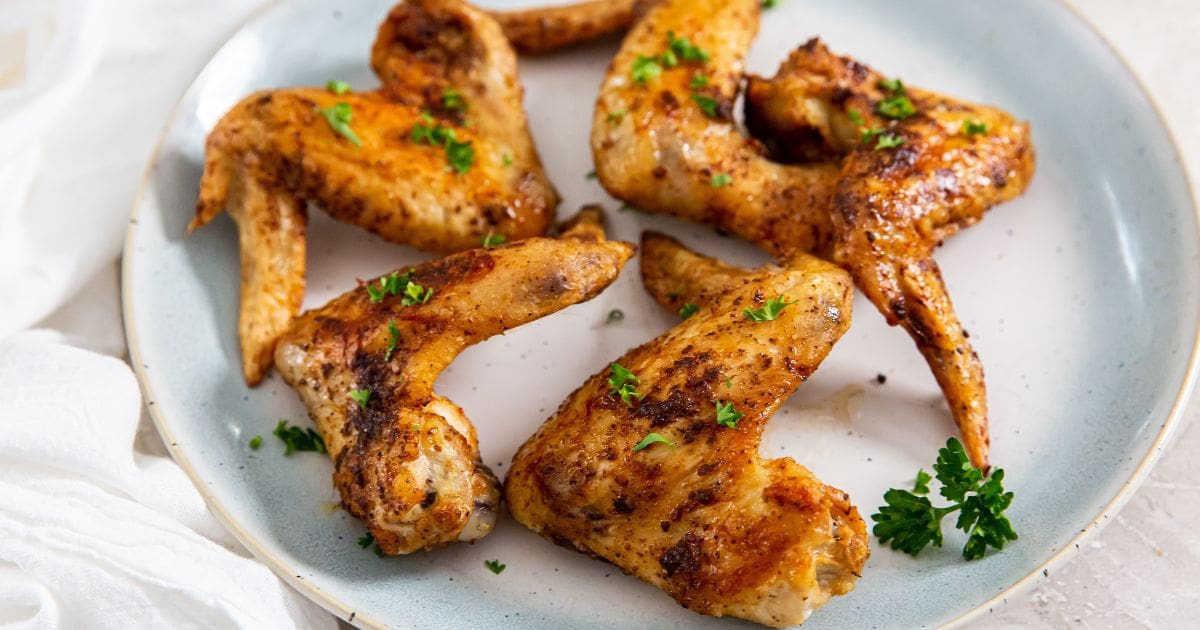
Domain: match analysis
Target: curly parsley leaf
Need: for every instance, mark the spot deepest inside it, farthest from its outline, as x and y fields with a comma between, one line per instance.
x=769, y=312
x=623, y=383
x=727, y=416
x=652, y=438
x=910, y=522
x=296, y=439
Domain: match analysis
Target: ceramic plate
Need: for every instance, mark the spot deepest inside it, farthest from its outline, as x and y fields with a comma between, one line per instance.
x=1081, y=299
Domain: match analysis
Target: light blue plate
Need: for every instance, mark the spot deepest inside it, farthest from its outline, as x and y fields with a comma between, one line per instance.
x=1081, y=297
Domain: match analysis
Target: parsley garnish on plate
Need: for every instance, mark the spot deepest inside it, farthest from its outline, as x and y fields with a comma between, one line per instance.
x=623, y=383
x=453, y=100
x=688, y=310
x=339, y=117
x=337, y=87
x=367, y=541
x=769, y=312
x=770, y=4
x=726, y=416
x=652, y=438
x=296, y=439
x=494, y=566
x=973, y=127
x=492, y=239
x=361, y=396
x=910, y=522
x=255, y=442
x=393, y=339
x=720, y=179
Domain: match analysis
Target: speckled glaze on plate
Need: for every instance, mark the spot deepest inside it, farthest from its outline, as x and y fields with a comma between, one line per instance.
x=1081, y=298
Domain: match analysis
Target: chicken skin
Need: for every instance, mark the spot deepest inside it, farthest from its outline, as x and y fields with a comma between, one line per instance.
x=545, y=29
x=406, y=460
x=868, y=173
x=438, y=157
x=699, y=513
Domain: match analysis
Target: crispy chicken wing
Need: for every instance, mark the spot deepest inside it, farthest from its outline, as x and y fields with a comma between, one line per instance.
x=876, y=210
x=406, y=460
x=544, y=29
x=446, y=68
x=704, y=517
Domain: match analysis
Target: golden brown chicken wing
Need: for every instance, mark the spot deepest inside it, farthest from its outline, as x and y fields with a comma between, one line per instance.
x=406, y=461
x=658, y=471
x=545, y=29
x=896, y=169
x=438, y=157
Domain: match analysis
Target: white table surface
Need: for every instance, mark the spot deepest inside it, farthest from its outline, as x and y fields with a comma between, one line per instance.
x=1143, y=569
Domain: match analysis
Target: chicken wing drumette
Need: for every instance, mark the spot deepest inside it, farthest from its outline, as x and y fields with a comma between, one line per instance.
x=406, y=460
x=700, y=514
x=889, y=171
x=544, y=29
x=438, y=157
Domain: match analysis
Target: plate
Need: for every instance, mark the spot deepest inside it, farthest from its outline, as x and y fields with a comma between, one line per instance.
x=1081, y=298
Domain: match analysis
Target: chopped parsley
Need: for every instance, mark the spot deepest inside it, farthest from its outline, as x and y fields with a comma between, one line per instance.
x=415, y=294
x=652, y=438
x=699, y=82
x=296, y=439
x=615, y=117
x=361, y=396
x=910, y=522
x=337, y=87
x=255, y=442
x=615, y=315
x=453, y=100
x=726, y=416
x=396, y=284
x=339, y=117
x=888, y=141
x=367, y=541
x=720, y=179
x=973, y=127
x=728, y=382
x=770, y=4
x=393, y=339
x=492, y=239
x=769, y=312
x=684, y=49
x=897, y=106
x=644, y=69
x=707, y=104
x=494, y=566
x=460, y=155
x=688, y=310
x=895, y=86
x=506, y=159
x=623, y=383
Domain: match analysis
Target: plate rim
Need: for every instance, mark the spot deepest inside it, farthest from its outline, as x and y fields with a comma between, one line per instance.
x=347, y=613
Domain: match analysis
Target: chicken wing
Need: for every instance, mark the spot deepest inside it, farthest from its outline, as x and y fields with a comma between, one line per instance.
x=438, y=157
x=887, y=185
x=545, y=29
x=699, y=513
x=406, y=460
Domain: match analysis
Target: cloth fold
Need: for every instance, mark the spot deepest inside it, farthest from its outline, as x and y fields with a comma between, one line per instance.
x=94, y=534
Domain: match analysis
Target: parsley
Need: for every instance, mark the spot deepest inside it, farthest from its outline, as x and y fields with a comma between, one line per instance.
x=367, y=541
x=338, y=118
x=297, y=439
x=361, y=396
x=590, y=174
x=707, y=104
x=255, y=442
x=889, y=141
x=855, y=117
x=389, y=284
x=911, y=522
x=688, y=310
x=506, y=160
x=644, y=69
x=396, y=284
x=393, y=339
x=615, y=315
x=492, y=240
x=453, y=100
x=726, y=416
x=769, y=312
x=623, y=383
x=652, y=438
x=684, y=49
x=460, y=155
x=337, y=87
x=699, y=82
x=720, y=179
x=615, y=117
x=494, y=566
x=896, y=107
x=728, y=382
x=415, y=294
x=973, y=127
x=895, y=86
x=770, y=4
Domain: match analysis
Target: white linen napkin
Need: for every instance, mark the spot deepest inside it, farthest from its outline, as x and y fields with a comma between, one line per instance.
x=94, y=534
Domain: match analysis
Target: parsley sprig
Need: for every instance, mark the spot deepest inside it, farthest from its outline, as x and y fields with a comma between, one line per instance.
x=367, y=541
x=897, y=105
x=770, y=311
x=679, y=50
x=623, y=383
x=727, y=416
x=403, y=285
x=494, y=566
x=910, y=521
x=296, y=439
x=653, y=438
x=460, y=155
x=339, y=117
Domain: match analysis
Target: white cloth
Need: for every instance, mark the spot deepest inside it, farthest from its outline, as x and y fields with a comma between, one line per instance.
x=95, y=534
x=98, y=528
